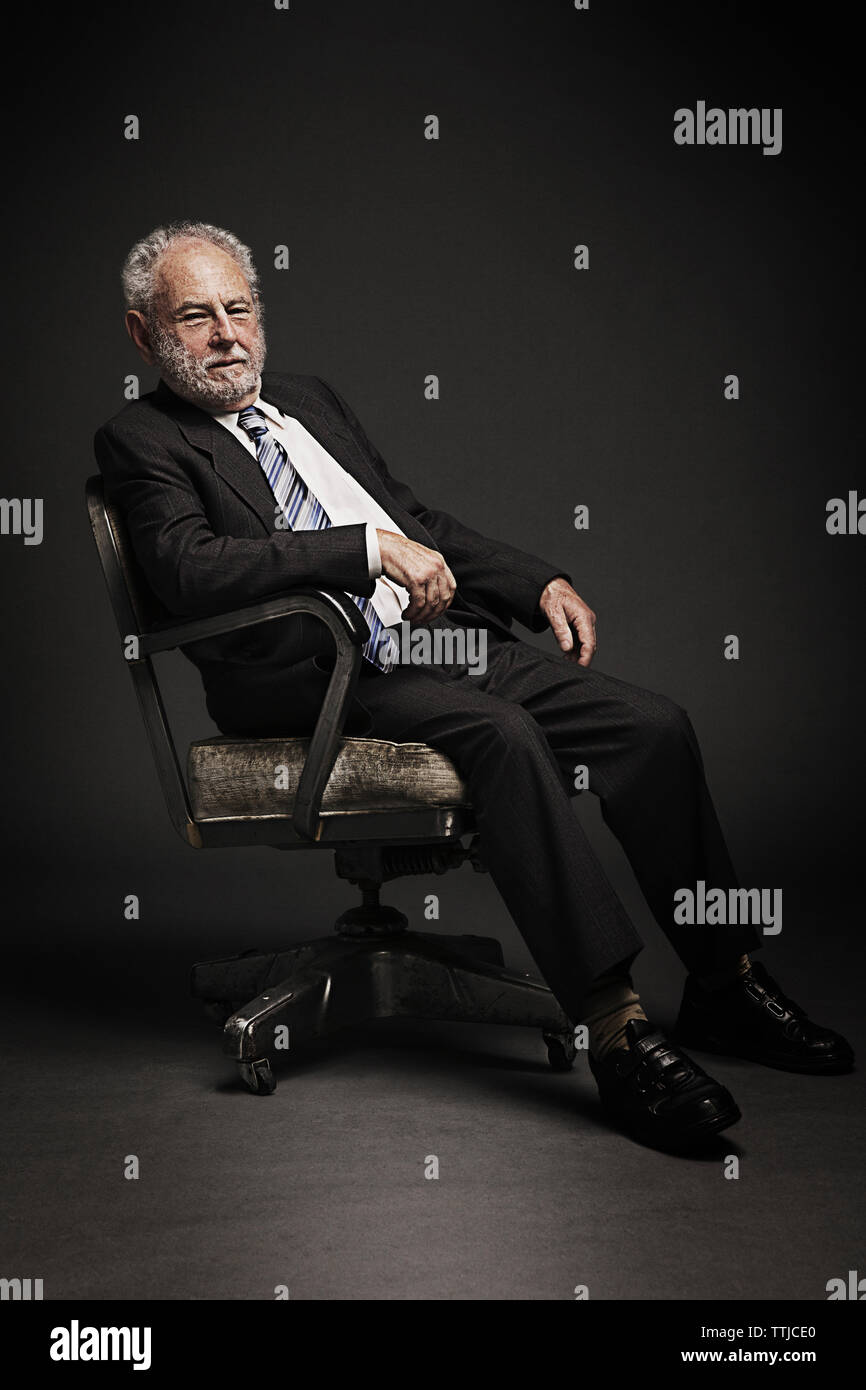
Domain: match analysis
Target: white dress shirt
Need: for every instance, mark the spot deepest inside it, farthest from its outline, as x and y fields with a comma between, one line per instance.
x=342, y=497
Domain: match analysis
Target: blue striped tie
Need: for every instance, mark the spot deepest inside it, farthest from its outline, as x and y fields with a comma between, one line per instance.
x=304, y=512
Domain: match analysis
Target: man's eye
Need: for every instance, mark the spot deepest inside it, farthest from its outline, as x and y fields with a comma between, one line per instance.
x=243, y=312
x=193, y=318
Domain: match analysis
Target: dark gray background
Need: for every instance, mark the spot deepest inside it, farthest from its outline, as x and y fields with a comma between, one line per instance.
x=453, y=257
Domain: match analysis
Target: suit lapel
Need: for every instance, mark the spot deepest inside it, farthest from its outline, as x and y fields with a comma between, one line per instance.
x=230, y=459
x=241, y=472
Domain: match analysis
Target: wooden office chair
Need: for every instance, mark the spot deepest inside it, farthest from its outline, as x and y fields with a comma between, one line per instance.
x=384, y=809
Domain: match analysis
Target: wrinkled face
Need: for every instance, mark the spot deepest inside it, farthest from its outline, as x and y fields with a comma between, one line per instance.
x=206, y=334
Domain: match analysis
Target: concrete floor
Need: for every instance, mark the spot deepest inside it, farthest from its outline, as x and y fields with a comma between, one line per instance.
x=321, y=1186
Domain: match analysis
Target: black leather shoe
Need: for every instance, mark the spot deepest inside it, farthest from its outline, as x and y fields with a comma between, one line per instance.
x=752, y=1018
x=659, y=1094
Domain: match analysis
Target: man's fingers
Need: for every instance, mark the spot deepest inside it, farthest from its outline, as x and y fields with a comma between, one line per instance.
x=424, y=602
x=447, y=589
x=417, y=604
x=430, y=596
x=450, y=586
x=431, y=605
x=585, y=625
x=582, y=648
x=561, y=629
x=565, y=610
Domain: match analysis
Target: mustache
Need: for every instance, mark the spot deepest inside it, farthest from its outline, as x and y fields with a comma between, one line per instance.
x=237, y=354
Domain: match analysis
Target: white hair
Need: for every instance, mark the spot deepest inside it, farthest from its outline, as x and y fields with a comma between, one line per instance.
x=139, y=268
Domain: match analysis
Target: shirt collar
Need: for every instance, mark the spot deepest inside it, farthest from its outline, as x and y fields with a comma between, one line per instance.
x=270, y=411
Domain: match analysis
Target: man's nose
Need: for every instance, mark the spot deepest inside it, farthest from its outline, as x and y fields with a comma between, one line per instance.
x=223, y=330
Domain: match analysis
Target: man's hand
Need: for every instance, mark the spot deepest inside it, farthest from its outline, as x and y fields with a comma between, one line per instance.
x=423, y=572
x=564, y=610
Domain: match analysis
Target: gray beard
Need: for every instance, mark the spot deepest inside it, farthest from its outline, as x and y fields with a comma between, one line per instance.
x=189, y=378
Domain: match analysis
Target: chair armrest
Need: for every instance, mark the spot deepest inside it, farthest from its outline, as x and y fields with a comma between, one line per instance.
x=335, y=609
x=350, y=631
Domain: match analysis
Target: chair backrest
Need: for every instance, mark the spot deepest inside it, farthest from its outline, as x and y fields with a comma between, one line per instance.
x=136, y=607
x=136, y=610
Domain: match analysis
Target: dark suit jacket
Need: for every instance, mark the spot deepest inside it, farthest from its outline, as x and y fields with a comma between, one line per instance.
x=201, y=519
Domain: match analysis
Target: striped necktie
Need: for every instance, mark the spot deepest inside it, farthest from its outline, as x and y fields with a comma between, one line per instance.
x=304, y=512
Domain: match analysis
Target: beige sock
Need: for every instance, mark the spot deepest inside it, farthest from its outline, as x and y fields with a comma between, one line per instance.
x=610, y=1003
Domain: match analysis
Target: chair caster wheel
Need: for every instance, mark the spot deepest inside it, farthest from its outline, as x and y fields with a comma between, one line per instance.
x=258, y=1077
x=561, y=1050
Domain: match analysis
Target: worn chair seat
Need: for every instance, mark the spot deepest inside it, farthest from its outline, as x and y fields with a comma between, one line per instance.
x=230, y=778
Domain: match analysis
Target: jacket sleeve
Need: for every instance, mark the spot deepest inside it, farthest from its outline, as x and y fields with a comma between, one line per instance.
x=502, y=578
x=193, y=571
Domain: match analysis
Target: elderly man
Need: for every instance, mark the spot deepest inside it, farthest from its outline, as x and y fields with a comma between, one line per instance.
x=236, y=484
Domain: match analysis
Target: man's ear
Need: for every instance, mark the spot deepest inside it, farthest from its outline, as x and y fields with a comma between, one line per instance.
x=137, y=329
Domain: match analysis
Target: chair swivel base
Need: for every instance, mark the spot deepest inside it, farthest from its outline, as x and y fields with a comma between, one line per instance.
x=315, y=989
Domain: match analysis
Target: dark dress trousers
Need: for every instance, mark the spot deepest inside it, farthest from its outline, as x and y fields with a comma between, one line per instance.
x=201, y=518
